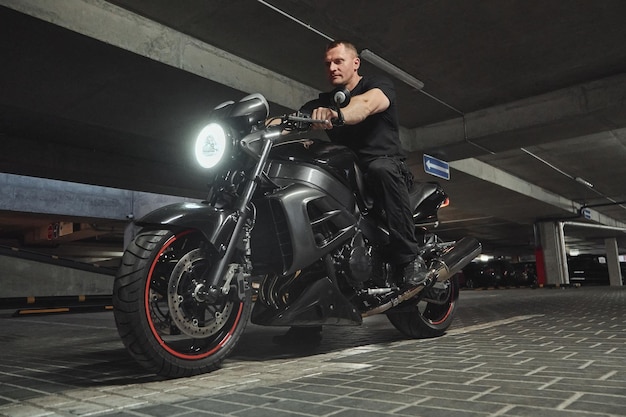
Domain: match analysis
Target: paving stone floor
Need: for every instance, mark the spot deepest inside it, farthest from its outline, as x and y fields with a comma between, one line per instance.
x=513, y=352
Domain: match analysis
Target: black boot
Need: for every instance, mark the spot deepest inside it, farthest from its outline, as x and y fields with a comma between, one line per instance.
x=411, y=274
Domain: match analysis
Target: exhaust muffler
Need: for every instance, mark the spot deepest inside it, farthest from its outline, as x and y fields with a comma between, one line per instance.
x=441, y=269
x=454, y=259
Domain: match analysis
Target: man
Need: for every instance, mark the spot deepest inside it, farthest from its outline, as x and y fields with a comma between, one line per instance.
x=371, y=130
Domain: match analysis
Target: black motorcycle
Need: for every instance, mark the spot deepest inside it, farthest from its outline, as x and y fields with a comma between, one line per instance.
x=287, y=236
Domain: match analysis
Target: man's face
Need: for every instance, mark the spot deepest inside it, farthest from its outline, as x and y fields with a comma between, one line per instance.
x=341, y=66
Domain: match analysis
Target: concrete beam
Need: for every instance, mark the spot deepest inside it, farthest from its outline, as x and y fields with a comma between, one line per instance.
x=572, y=112
x=496, y=176
x=108, y=23
x=45, y=196
x=119, y=27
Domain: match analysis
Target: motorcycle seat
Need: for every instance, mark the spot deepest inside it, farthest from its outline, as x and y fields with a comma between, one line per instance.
x=420, y=191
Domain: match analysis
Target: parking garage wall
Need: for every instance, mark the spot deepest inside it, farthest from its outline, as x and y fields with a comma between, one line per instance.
x=23, y=278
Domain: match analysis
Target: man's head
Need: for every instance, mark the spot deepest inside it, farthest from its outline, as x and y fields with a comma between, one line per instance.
x=342, y=64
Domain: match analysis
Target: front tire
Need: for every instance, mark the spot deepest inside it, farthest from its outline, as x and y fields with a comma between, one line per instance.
x=426, y=319
x=161, y=310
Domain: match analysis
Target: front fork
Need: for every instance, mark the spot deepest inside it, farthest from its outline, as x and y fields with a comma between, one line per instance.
x=216, y=274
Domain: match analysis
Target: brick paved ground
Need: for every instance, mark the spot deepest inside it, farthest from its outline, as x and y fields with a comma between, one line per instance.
x=518, y=352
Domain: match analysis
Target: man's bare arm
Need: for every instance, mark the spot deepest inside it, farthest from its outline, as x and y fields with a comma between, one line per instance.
x=371, y=102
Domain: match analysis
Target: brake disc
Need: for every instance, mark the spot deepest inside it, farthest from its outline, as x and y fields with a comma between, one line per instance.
x=190, y=312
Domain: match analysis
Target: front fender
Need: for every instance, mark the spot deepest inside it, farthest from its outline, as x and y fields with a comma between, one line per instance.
x=215, y=224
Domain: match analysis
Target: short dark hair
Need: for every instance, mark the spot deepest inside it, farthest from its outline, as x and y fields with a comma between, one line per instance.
x=345, y=43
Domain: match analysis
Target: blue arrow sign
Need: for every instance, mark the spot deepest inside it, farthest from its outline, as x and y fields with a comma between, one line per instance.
x=436, y=167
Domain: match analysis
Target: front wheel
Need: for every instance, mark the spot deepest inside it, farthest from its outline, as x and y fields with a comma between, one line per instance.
x=162, y=311
x=429, y=317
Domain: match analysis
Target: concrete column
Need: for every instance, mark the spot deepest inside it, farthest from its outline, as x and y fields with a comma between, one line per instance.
x=612, y=259
x=555, y=258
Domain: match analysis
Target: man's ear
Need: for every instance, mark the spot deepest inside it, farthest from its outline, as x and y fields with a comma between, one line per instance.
x=357, y=63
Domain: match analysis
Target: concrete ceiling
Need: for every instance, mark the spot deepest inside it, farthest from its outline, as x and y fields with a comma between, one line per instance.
x=521, y=97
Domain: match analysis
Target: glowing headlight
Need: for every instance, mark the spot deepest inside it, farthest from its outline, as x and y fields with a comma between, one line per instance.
x=210, y=145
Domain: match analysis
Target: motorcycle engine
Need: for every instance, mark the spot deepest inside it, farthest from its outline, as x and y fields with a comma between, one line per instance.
x=357, y=260
x=360, y=264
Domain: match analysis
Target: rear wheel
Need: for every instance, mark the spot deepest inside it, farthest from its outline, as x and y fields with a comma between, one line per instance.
x=163, y=311
x=429, y=317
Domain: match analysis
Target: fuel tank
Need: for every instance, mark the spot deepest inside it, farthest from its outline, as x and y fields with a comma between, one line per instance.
x=339, y=161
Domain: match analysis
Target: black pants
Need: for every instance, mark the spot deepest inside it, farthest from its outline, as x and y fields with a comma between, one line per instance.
x=389, y=180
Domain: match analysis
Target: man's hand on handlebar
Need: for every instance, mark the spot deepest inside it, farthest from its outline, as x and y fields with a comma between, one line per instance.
x=325, y=114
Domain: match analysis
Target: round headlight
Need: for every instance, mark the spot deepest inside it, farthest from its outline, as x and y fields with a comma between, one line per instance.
x=210, y=145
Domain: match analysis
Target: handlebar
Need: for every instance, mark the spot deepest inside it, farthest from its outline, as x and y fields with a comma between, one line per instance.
x=340, y=98
x=304, y=119
x=304, y=122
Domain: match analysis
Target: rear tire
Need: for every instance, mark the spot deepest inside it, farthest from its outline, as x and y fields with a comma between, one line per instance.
x=426, y=319
x=160, y=310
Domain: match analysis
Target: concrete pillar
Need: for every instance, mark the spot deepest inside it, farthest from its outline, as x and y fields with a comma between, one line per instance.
x=555, y=257
x=612, y=260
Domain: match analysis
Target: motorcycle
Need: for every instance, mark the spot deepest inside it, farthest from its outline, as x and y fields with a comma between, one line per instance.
x=288, y=236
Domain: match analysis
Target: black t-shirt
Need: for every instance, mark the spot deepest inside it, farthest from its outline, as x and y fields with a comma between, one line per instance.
x=378, y=134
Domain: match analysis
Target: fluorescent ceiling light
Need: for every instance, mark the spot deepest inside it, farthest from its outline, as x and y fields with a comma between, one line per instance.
x=584, y=182
x=391, y=69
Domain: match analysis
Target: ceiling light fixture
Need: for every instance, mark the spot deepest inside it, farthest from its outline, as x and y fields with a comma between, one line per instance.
x=584, y=182
x=391, y=69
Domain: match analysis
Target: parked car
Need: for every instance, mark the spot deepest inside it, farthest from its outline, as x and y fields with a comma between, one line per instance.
x=499, y=273
x=473, y=276
x=588, y=270
x=525, y=274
